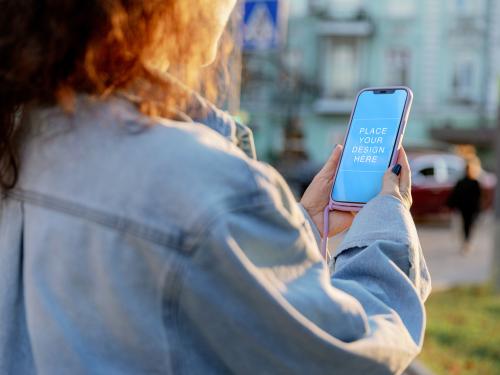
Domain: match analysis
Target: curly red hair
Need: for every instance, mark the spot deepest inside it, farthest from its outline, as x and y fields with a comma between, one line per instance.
x=52, y=49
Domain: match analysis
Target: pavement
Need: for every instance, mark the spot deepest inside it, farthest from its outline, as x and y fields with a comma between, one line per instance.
x=441, y=244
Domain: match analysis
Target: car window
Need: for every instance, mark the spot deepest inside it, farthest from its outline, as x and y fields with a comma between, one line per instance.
x=427, y=172
x=437, y=169
x=424, y=175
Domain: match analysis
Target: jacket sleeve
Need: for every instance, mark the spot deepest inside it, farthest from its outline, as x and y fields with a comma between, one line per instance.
x=262, y=298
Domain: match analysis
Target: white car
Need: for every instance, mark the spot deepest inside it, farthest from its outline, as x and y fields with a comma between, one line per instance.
x=435, y=174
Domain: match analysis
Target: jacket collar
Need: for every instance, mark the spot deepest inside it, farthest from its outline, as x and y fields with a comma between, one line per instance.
x=223, y=123
x=201, y=111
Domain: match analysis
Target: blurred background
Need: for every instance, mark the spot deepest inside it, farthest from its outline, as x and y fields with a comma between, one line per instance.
x=301, y=65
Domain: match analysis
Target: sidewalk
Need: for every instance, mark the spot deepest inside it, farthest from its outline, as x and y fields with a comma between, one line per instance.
x=448, y=267
x=441, y=243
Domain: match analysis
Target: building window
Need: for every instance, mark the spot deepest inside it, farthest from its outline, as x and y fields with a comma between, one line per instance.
x=341, y=68
x=398, y=67
x=463, y=81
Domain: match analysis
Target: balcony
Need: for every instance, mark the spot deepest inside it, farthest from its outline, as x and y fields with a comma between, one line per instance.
x=345, y=28
x=333, y=106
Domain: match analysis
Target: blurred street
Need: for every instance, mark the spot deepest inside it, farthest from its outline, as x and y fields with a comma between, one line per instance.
x=448, y=267
x=441, y=245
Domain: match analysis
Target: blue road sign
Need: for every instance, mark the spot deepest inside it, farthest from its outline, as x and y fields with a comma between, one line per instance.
x=261, y=25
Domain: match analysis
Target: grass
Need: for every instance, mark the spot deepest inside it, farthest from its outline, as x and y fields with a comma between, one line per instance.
x=463, y=332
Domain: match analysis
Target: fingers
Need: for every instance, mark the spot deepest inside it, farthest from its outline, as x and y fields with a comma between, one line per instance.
x=397, y=180
x=331, y=164
x=390, y=183
x=405, y=177
x=316, y=196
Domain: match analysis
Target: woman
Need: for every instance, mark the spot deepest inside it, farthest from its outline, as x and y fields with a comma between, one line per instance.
x=138, y=234
x=466, y=198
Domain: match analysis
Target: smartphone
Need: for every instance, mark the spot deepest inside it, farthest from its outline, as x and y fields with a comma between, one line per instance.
x=371, y=145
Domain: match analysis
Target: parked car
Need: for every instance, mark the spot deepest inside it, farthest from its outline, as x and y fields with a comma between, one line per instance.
x=434, y=175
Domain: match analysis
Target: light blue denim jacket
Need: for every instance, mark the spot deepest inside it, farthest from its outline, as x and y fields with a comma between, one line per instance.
x=134, y=245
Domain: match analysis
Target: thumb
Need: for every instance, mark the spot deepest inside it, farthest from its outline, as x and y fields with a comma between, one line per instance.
x=390, y=184
x=331, y=164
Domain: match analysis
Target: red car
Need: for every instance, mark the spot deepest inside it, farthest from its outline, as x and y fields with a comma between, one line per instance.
x=434, y=176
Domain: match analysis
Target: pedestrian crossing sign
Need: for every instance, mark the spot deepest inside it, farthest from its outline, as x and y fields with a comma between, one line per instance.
x=261, y=25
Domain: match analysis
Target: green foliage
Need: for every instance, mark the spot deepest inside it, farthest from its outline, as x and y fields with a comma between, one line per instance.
x=463, y=332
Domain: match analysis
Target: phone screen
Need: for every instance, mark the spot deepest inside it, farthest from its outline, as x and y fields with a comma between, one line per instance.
x=370, y=144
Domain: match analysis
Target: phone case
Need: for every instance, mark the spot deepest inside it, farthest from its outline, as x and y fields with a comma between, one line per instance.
x=354, y=207
x=333, y=205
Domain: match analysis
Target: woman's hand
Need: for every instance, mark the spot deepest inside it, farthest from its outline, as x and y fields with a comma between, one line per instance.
x=399, y=185
x=317, y=197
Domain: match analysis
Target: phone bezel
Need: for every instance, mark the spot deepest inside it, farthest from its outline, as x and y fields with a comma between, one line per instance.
x=356, y=206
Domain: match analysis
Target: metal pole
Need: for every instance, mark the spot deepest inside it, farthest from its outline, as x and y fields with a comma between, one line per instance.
x=496, y=228
x=495, y=10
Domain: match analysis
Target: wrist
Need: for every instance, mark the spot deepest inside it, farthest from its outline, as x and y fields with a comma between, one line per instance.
x=406, y=202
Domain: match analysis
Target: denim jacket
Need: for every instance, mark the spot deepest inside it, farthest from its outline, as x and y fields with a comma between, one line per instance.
x=137, y=245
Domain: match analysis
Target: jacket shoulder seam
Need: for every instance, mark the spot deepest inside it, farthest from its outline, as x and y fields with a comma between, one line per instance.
x=102, y=218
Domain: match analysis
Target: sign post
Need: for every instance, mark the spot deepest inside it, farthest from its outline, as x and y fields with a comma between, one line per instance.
x=496, y=251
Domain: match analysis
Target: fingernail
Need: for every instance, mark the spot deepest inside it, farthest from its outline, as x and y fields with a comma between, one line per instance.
x=396, y=169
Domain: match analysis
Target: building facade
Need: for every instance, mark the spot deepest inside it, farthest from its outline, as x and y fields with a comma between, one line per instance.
x=446, y=51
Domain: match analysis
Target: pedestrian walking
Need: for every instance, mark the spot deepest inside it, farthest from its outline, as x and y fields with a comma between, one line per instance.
x=466, y=199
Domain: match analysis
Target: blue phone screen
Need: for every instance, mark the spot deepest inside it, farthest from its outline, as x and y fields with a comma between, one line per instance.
x=369, y=145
